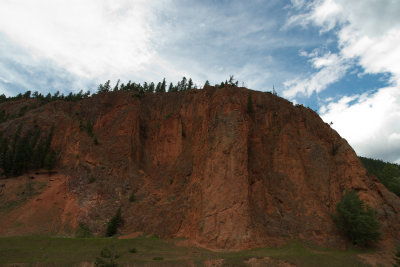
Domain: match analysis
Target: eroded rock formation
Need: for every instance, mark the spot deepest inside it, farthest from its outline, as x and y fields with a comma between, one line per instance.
x=200, y=165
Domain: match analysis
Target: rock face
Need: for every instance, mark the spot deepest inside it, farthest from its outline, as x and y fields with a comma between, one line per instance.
x=199, y=164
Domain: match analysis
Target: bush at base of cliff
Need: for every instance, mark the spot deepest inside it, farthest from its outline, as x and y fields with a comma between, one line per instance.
x=83, y=231
x=357, y=220
x=114, y=223
x=108, y=258
x=397, y=257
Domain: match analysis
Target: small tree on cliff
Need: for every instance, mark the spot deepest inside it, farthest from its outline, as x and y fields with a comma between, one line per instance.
x=356, y=219
x=50, y=160
x=104, y=88
x=190, y=84
x=114, y=223
x=163, y=86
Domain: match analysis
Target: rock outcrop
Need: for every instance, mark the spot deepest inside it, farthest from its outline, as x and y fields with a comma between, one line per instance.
x=199, y=164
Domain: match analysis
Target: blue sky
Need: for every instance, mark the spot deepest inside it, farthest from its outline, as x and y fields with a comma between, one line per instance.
x=339, y=57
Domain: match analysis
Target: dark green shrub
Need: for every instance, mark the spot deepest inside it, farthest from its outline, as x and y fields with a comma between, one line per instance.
x=92, y=179
x=356, y=219
x=158, y=258
x=397, y=257
x=50, y=160
x=114, y=223
x=154, y=236
x=83, y=231
x=87, y=127
x=108, y=258
x=133, y=250
x=335, y=148
x=132, y=197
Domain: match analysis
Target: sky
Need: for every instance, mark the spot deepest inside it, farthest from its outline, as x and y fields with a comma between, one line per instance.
x=339, y=57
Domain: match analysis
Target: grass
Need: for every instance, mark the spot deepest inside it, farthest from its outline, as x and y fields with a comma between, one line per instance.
x=58, y=251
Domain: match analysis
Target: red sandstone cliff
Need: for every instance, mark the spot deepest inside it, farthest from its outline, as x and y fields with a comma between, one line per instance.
x=200, y=166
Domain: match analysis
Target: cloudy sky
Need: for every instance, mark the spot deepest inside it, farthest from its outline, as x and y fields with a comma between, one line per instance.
x=339, y=57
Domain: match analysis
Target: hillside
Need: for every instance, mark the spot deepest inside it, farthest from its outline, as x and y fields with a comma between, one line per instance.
x=388, y=173
x=224, y=167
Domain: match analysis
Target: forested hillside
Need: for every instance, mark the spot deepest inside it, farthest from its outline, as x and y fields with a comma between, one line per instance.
x=388, y=173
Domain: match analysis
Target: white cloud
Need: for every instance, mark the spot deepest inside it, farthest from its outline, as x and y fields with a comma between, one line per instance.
x=331, y=68
x=368, y=122
x=143, y=40
x=368, y=35
x=369, y=30
x=377, y=54
x=323, y=13
x=97, y=40
x=90, y=38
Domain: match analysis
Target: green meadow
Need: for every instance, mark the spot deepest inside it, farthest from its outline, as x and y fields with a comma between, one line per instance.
x=152, y=251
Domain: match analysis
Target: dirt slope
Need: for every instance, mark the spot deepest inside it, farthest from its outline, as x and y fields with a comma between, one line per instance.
x=199, y=165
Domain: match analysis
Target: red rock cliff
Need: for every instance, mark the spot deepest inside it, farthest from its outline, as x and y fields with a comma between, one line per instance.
x=201, y=166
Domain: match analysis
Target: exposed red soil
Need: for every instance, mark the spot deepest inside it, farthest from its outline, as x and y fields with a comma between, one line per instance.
x=52, y=210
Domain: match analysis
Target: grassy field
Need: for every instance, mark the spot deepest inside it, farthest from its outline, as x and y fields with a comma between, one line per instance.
x=151, y=251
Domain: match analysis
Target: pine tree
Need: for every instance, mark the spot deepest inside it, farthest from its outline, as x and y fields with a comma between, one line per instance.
x=128, y=86
x=114, y=223
x=145, y=87
x=50, y=160
x=107, y=86
x=22, y=156
x=163, y=85
x=5, y=156
x=151, y=87
x=190, y=84
x=116, y=86
x=158, y=87
x=356, y=219
x=183, y=84
x=27, y=94
x=48, y=97
x=104, y=88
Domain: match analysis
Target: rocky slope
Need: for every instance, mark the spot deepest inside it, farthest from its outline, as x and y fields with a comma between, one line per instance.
x=198, y=164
